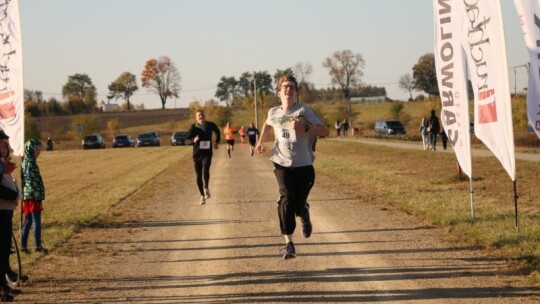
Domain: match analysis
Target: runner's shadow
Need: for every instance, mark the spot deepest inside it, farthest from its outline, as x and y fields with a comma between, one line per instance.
x=275, y=201
x=158, y=224
x=377, y=230
x=108, y=289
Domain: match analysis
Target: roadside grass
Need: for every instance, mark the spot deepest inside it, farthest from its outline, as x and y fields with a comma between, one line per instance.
x=425, y=183
x=83, y=188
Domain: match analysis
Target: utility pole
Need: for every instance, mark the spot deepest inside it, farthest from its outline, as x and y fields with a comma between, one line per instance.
x=255, y=100
x=526, y=66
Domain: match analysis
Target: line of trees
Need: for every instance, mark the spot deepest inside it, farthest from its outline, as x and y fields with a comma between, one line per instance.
x=80, y=95
x=161, y=77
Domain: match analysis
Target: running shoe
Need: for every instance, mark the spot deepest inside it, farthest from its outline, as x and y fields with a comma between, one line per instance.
x=288, y=251
x=206, y=193
x=42, y=250
x=307, y=227
x=13, y=276
x=202, y=201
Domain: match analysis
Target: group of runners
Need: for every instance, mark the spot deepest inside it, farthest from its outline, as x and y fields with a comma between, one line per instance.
x=296, y=128
x=230, y=133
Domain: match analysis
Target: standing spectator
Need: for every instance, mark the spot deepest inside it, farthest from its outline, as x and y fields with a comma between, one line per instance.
x=425, y=135
x=338, y=128
x=50, y=144
x=9, y=198
x=33, y=195
x=201, y=135
x=345, y=127
x=295, y=127
x=444, y=139
x=433, y=129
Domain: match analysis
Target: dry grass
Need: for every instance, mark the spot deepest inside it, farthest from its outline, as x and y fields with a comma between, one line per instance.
x=84, y=187
x=426, y=184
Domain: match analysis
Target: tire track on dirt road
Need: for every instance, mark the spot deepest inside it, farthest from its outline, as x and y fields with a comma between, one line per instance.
x=166, y=248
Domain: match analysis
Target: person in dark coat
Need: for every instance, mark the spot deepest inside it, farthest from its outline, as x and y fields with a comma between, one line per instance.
x=433, y=129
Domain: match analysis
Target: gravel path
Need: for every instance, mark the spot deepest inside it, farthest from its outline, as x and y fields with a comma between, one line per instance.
x=166, y=248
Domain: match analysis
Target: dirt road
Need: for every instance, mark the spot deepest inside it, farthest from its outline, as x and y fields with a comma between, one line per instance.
x=166, y=248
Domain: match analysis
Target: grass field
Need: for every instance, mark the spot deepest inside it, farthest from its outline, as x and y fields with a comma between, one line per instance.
x=426, y=184
x=83, y=187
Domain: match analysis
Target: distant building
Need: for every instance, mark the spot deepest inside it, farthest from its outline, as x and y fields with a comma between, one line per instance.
x=110, y=107
x=368, y=99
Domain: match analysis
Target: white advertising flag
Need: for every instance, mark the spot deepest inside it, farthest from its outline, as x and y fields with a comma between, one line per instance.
x=529, y=12
x=451, y=78
x=11, y=76
x=483, y=39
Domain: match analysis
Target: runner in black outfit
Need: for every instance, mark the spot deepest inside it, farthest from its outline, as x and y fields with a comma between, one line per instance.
x=201, y=135
x=252, y=135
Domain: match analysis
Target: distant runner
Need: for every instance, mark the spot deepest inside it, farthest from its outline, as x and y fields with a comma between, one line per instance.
x=201, y=135
x=295, y=128
x=242, y=133
x=229, y=132
x=252, y=133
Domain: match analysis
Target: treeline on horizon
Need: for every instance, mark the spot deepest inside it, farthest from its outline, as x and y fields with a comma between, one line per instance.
x=36, y=106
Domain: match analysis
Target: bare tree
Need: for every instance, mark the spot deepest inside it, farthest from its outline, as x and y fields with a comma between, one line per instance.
x=302, y=71
x=406, y=83
x=345, y=68
x=161, y=77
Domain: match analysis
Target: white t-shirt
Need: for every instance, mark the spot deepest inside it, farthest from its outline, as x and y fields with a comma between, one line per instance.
x=291, y=148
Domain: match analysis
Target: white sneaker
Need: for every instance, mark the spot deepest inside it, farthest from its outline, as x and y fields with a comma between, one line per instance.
x=206, y=193
x=202, y=201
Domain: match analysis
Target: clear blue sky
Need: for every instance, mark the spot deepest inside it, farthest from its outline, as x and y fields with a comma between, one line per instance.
x=207, y=39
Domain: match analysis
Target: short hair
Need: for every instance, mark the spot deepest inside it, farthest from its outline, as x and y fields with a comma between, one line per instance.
x=285, y=78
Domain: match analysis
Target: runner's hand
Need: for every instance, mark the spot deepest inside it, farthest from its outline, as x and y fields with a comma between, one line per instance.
x=299, y=125
x=260, y=148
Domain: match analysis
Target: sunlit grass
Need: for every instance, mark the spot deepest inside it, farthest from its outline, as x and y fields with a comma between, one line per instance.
x=424, y=183
x=84, y=186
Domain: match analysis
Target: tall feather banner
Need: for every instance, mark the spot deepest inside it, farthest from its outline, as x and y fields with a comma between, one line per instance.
x=529, y=12
x=452, y=78
x=11, y=76
x=483, y=40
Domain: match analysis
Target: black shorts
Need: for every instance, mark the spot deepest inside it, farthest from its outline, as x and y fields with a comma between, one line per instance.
x=230, y=142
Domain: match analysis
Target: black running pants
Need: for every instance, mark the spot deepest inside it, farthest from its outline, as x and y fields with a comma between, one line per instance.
x=202, y=170
x=294, y=187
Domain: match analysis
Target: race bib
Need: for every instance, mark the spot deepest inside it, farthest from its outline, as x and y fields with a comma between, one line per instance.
x=204, y=145
x=287, y=135
x=251, y=132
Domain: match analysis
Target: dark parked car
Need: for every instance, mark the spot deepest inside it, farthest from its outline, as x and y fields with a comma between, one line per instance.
x=389, y=127
x=147, y=139
x=122, y=141
x=93, y=141
x=179, y=138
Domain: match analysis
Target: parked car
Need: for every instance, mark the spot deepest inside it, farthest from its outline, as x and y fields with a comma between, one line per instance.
x=122, y=141
x=149, y=138
x=179, y=138
x=93, y=141
x=389, y=127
